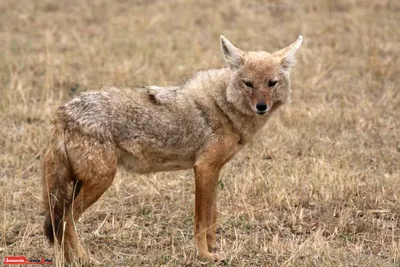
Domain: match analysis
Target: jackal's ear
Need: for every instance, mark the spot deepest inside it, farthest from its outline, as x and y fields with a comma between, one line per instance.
x=233, y=55
x=288, y=54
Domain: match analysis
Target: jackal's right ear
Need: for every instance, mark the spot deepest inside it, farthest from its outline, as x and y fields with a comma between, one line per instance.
x=288, y=53
x=233, y=55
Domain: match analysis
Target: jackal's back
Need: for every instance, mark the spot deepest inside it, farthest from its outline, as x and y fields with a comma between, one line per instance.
x=154, y=128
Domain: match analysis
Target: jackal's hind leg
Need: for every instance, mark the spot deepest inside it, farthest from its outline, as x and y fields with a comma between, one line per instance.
x=90, y=192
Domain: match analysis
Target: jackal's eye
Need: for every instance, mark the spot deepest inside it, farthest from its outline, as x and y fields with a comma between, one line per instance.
x=271, y=83
x=248, y=83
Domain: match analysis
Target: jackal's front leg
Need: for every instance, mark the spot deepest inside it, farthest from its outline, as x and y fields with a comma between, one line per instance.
x=212, y=220
x=205, y=209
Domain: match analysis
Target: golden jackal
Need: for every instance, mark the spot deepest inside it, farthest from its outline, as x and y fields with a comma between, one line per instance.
x=200, y=124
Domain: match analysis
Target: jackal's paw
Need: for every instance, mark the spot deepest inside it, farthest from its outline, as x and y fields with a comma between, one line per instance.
x=83, y=260
x=212, y=244
x=79, y=261
x=212, y=247
x=212, y=256
x=82, y=256
x=93, y=262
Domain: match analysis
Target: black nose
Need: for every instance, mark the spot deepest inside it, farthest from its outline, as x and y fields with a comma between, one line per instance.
x=261, y=107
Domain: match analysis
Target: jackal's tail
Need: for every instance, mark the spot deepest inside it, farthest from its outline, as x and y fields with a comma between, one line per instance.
x=59, y=183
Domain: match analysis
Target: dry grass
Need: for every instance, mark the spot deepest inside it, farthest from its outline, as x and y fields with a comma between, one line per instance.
x=320, y=186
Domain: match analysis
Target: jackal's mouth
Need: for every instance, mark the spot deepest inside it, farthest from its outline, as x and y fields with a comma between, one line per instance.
x=262, y=112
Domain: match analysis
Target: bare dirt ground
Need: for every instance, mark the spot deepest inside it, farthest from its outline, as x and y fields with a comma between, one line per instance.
x=320, y=185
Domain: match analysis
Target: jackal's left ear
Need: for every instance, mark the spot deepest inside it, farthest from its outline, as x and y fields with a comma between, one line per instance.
x=288, y=54
x=233, y=55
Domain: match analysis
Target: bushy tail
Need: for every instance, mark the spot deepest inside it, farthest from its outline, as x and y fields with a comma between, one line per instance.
x=58, y=184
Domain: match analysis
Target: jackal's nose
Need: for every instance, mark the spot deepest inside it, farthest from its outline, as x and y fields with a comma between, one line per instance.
x=261, y=107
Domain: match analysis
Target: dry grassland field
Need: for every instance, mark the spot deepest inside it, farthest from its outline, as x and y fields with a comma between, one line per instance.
x=320, y=184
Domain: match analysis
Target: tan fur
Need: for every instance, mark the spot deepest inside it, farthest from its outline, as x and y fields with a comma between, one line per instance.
x=200, y=124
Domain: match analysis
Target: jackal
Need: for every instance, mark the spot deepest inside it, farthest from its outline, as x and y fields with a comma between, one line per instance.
x=200, y=124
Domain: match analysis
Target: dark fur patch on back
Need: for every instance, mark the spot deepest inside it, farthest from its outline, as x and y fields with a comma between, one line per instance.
x=153, y=99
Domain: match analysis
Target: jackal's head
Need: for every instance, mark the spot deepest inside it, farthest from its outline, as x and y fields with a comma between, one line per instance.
x=259, y=80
